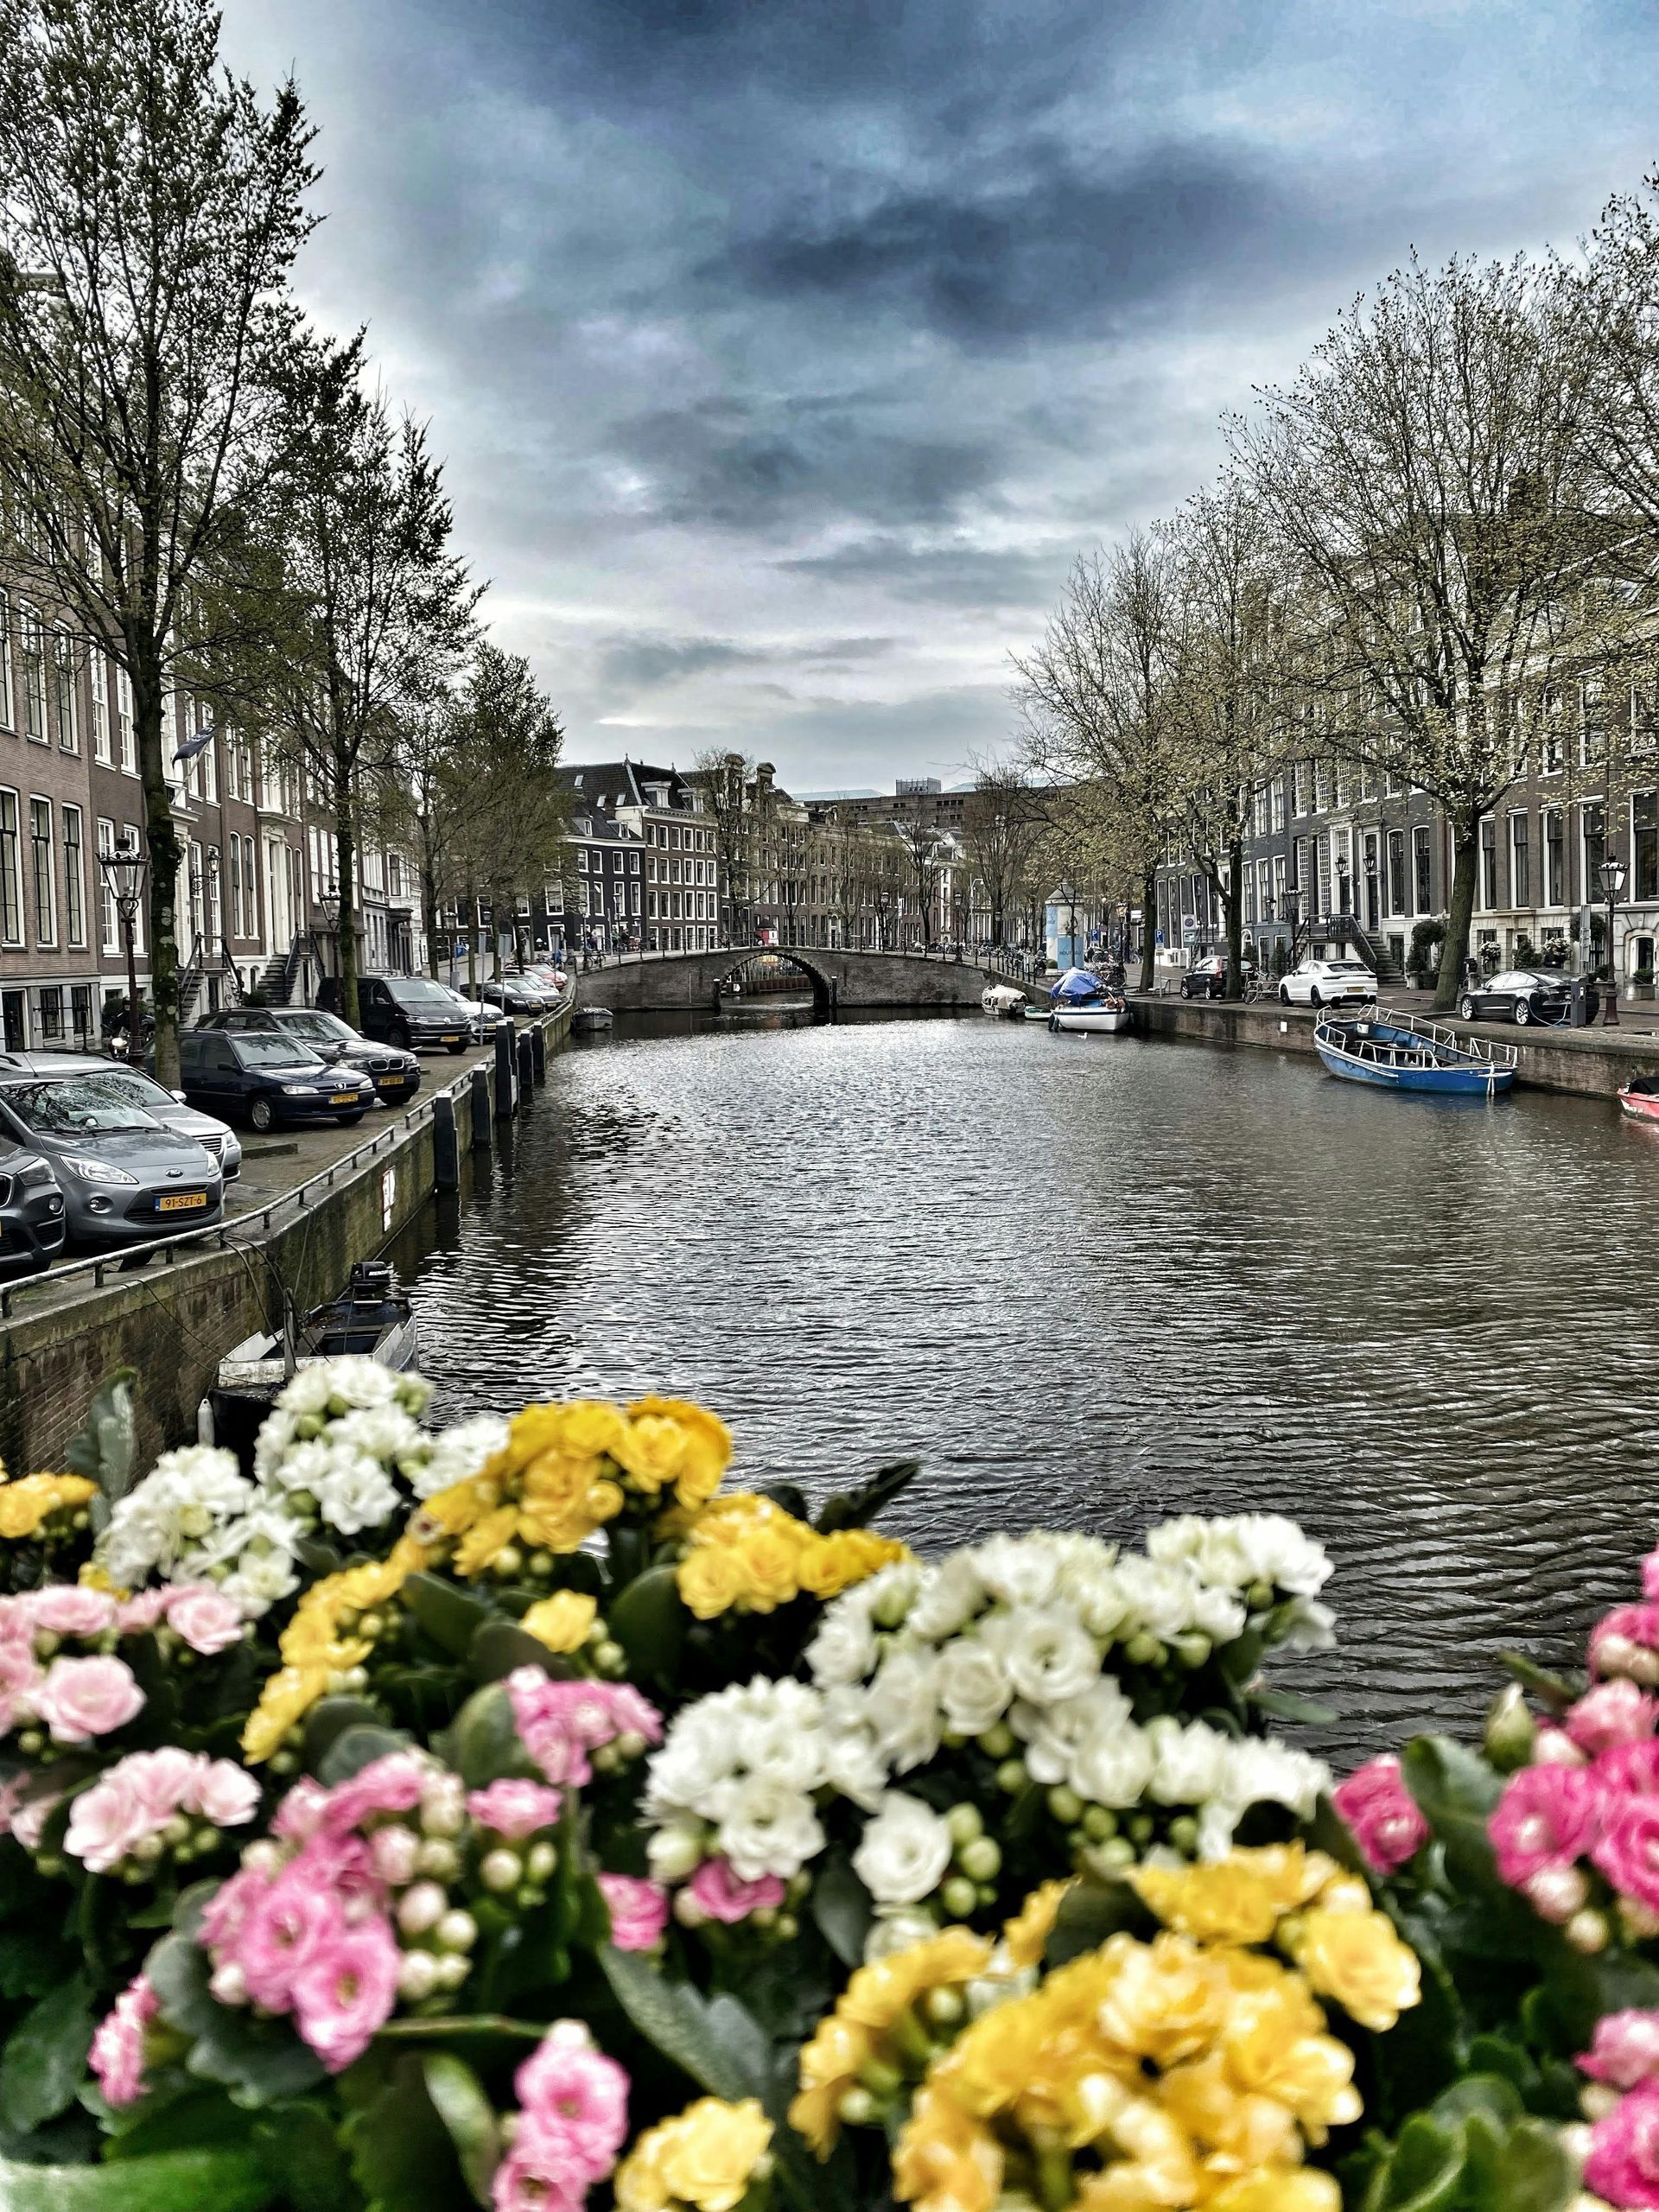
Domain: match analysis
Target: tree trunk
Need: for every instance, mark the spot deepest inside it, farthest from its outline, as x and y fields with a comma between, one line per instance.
x=472, y=939
x=1232, y=907
x=346, y=870
x=165, y=853
x=1148, y=926
x=429, y=919
x=1466, y=855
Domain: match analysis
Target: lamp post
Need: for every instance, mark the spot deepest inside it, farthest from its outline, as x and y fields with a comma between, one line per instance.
x=125, y=872
x=329, y=903
x=1342, y=883
x=1612, y=882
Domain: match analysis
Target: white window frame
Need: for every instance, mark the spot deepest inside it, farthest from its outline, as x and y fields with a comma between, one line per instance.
x=11, y=872
x=46, y=932
x=74, y=875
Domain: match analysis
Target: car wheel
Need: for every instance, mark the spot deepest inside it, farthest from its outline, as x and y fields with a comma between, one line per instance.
x=1186, y=990
x=351, y=1120
x=263, y=1114
x=1284, y=994
x=1466, y=1009
x=398, y=1035
x=453, y=1049
x=1314, y=998
x=1523, y=1012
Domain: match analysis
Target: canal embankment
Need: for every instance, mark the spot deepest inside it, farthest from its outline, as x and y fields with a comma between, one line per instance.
x=1587, y=1063
x=312, y=1206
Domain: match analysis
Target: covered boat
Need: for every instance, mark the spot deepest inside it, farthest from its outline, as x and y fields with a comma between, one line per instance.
x=1401, y=1051
x=1006, y=1000
x=1638, y=1099
x=1080, y=1000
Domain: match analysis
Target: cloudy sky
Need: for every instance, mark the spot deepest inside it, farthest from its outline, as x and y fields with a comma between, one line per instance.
x=784, y=352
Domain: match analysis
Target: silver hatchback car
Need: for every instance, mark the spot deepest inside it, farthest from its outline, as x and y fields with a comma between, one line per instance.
x=216, y=1138
x=124, y=1177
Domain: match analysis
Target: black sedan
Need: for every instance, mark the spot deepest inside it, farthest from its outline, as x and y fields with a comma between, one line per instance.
x=31, y=1212
x=395, y=1074
x=514, y=995
x=269, y=1078
x=1523, y=995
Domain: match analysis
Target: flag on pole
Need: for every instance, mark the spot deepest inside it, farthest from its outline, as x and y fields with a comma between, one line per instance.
x=198, y=741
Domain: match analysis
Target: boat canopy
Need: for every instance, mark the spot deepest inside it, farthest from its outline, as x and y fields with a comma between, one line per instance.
x=1074, y=987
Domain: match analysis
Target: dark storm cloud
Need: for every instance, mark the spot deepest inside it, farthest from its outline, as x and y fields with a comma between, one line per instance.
x=647, y=661
x=966, y=576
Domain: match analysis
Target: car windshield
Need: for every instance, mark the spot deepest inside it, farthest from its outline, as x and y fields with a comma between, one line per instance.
x=272, y=1053
x=413, y=990
x=80, y=1106
x=315, y=1023
x=1349, y=968
x=132, y=1089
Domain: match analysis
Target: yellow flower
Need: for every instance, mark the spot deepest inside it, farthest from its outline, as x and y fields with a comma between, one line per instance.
x=1027, y=1934
x=829, y=2066
x=1167, y=2000
x=485, y=1540
x=709, y=1581
x=879, y=1992
x=1358, y=1959
x=564, y=1503
x=708, y=1446
x=33, y=1499
x=591, y=1428
x=945, y=2160
x=651, y=1452
x=769, y=1559
x=706, y=2157
x=830, y=1565
x=452, y=1511
x=1275, y=2191
x=1239, y=1899
x=286, y=1698
x=563, y=1621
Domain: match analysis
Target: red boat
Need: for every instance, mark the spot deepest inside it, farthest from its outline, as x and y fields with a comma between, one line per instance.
x=1638, y=1099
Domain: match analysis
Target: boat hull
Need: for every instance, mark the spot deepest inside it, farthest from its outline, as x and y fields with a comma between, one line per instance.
x=1640, y=1106
x=1445, y=1082
x=1107, y=1019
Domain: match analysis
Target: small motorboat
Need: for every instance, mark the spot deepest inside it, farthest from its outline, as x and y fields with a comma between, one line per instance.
x=1401, y=1051
x=586, y=1017
x=1638, y=1099
x=1005, y=1000
x=372, y=1317
x=1080, y=1000
x=1033, y=1014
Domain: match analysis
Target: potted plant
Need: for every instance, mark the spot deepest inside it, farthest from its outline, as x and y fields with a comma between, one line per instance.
x=1423, y=955
x=1641, y=983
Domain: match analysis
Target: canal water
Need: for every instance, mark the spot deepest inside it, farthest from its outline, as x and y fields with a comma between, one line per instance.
x=1091, y=1282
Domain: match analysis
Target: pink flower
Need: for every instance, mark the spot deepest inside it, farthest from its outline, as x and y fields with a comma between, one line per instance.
x=632, y=1713
x=165, y=1781
x=1627, y=1850
x=575, y=2107
x=1623, y=2161
x=134, y=1615
x=293, y=1922
x=1612, y=1713
x=344, y=1865
x=83, y=1698
x=20, y=1682
x=1650, y=1576
x=534, y=2176
x=117, y=2052
x=29, y=1819
x=1627, y=1770
x=300, y=1814
x=394, y=1850
x=1625, y=2051
x=389, y=1785
x=638, y=1911
x=516, y=1810
x=18, y=1620
x=106, y=1820
x=207, y=1620
x=1381, y=1814
x=226, y=1912
x=724, y=1897
x=345, y=1990
x=224, y=1794
x=1548, y=1816
x=1621, y=1633
x=67, y=1610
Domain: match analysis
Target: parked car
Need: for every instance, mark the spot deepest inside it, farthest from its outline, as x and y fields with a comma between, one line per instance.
x=1524, y=995
x=269, y=1078
x=217, y=1139
x=408, y=1011
x=124, y=1176
x=1328, y=983
x=1206, y=978
x=395, y=1073
x=514, y=995
x=32, y=1224
x=483, y=1020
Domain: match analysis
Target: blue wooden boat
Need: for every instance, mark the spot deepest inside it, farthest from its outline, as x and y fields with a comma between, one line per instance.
x=1401, y=1051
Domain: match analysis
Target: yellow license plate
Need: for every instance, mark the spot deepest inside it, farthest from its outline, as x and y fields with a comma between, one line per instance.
x=344, y=1098
x=452, y=1040
x=183, y=1201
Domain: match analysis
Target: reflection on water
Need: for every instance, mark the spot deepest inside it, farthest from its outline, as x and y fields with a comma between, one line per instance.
x=1094, y=1281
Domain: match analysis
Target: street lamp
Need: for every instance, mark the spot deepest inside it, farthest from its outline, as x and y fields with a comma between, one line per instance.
x=1612, y=882
x=1342, y=883
x=125, y=871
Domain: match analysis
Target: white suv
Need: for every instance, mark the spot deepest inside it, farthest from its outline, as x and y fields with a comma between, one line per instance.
x=1328, y=983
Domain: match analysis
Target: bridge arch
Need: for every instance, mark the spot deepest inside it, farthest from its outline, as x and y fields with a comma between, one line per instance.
x=739, y=958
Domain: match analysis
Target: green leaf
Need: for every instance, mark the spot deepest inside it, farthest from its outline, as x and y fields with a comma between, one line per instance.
x=105, y=1452
x=223, y=2180
x=1519, y=2166
x=1286, y=1705
x=1548, y=1689
x=1090, y=1910
x=458, y=2099
x=842, y=1908
x=327, y=1722
x=33, y=1958
x=318, y=1559
x=302, y=2148
x=498, y=1647
x=400, y=2150
x=449, y=1616
x=1455, y=1790
x=857, y=1508
x=716, y=2041
x=46, y=2056
x=483, y=1743
x=791, y=1497
x=1423, y=2172
x=356, y=1747
x=648, y=1620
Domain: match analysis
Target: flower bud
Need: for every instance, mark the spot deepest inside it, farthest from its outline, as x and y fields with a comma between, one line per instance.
x=1011, y=1776
x=788, y=1928
x=605, y=1759
x=1259, y=1596
x=1184, y=1835
x=176, y=1830
x=960, y=1897
x=540, y=1860
x=1596, y=2099
x=1140, y=1827
x=964, y=1822
x=438, y=1859
x=996, y=1743
x=1111, y=1857
x=541, y=1565
x=31, y=1743
x=1639, y=1923
x=1555, y=1894
x=1192, y=1651
x=418, y=1976
x=500, y=1870
x=1144, y=1650
x=980, y=1860
x=452, y=1969
x=264, y=1857
x=945, y=2007
x=857, y=2107
x=456, y=1931
x=147, y=1849
x=1098, y=1822
x=891, y=1605
x=676, y=1852
x=1511, y=1732
x=421, y=1908
x=1554, y=1747
x=630, y=1745
x=229, y=1984
x=508, y=1561
x=610, y=1658
x=396, y=1852
x=1588, y=1932
x=688, y=1912
x=1065, y=1805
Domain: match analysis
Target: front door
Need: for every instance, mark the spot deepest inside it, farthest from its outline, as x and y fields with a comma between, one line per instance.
x=1372, y=913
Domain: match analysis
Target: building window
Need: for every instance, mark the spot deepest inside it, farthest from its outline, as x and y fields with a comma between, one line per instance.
x=74, y=879
x=11, y=871
x=1488, y=864
x=235, y=857
x=109, y=935
x=1554, y=858
x=63, y=668
x=97, y=670
x=1595, y=845
x=31, y=654
x=1397, y=872
x=45, y=902
x=128, y=749
x=5, y=662
x=1645, y=845
x=215, y=908
x=1520, y=861
x=1422, y=867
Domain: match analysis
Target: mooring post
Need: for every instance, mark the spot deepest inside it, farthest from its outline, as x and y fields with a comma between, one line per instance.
x=526, y=1065
x=446, y=1144
x=506, y=1100
x=539, y=1049
x=480, y=1094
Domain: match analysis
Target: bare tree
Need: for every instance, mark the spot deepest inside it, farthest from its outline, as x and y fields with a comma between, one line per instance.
x=1427, y=472
x=151, y=214
x=727, y=781
x=1001, y=823
x=923, y=845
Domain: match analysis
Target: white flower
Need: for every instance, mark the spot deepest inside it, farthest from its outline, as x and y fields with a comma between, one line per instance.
x=1218, y=1614
x=1307, y=1626
x=904, y=1707
x=974, y=1686
x=897, y=1930
x=1020, y=1570
x=1158, y=1600
x=455, y=1453
x=1263, y=1772
x=1279, y=1552
x=1112, y=1768
x=356, y=1493
x=1047, y=1651
x=1190, y=1765
x=769, y=1829
x=1211, y=1548
x=951, y=1594
x=844, y=1648
x=1054, y=1734
x=905, y=1853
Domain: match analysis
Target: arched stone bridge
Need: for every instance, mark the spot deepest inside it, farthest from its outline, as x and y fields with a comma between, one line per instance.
x=673, y=981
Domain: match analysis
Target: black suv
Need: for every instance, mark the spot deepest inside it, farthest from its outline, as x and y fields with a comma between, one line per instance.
x=395, y=1074
x=31, y=1212
x=407, y=1011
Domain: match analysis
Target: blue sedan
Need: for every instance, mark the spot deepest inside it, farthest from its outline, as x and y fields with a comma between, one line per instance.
x=269, y=1080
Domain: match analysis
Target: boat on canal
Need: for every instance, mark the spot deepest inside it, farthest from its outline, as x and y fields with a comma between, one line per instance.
x=1007, y=1000
x=1082, y=1001
x=1402, y=1051
x=1638, y=1099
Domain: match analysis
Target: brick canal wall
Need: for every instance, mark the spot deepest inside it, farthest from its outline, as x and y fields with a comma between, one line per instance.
x=1591, y=1063
x=174, y=1322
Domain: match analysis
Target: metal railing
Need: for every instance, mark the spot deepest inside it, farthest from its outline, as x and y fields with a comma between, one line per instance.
x=1434, y=1033
x=220, y=1235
